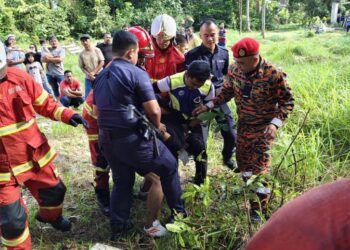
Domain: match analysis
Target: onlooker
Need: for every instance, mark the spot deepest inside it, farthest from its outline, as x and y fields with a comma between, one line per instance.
x=193, y=40
x=15, y=55
x=37, y=55
x=55, y=68
x=35, y=69
x=106, y=48
x=71, y=93
x=91, y=61
x=43, y=45
x=222, y=35
x=181, y=43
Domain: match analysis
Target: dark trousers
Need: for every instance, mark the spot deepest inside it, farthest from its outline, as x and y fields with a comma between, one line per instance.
x=228, y=132
x=55, y=83
x=71, y=101
x=195, y=142
x=132, y=153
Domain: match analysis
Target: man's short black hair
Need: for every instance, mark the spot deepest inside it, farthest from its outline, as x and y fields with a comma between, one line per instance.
x=208, y=21
x=42, y=41
x=122, y=41
x=199, y=70
x=67, y=71
x=53, y=37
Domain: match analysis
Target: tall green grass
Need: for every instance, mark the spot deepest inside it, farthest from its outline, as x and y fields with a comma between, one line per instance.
x=318, y=69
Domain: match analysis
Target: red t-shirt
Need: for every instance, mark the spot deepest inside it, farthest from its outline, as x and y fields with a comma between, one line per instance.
x=73, y=86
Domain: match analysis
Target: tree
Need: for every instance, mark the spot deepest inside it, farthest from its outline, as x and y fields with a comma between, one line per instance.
x=263, y=18
x=248, y=15
x=240, y=16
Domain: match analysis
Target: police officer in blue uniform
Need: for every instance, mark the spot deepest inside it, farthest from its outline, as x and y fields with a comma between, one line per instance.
x=124, y=146
x=217, y=57
x=188, y=90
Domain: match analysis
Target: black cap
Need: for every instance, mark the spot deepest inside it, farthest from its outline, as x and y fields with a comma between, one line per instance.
x=199, y=69
x=85, y=36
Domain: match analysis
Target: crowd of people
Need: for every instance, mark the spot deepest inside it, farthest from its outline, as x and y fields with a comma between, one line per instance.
x=170, y=77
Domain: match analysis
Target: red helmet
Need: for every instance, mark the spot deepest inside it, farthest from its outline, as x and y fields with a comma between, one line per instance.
x=145, y=41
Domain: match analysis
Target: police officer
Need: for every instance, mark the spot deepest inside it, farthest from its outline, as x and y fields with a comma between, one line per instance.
x=217, y=57
x=264, y=101
x=187, y=91
x=125, y=148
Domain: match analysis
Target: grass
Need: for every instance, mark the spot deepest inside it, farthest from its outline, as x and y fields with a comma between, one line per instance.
x=318, y=70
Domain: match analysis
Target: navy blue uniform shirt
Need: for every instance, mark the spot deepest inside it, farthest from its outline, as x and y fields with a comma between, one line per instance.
x=118, y=85
x=218, y=62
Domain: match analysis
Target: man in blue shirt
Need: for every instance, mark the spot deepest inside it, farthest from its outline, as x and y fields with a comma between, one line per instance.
x=217, y=57
x=124, y=147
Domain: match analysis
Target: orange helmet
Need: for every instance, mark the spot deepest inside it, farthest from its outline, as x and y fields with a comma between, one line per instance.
x=145, y=41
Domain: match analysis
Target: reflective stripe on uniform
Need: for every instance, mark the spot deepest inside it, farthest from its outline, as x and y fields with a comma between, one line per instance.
x=174, y=102
x=52, y=208
x=28, y=165
x=93, y=137
x=40, y=100
x=22, y=168
x=177, y=81
x=47, y=157
x=89, y=110
x=5, y=176
x=17, y=241
x=58, y=113
x=97, y=169
x=17, y=127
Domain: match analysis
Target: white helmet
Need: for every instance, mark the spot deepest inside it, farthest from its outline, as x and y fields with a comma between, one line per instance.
x=163, y=25
x=3, y=62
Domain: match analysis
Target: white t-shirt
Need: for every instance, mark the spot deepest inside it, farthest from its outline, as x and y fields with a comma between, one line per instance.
x=34, y=70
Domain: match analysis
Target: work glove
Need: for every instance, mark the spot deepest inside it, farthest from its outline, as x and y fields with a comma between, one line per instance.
x=78, y=119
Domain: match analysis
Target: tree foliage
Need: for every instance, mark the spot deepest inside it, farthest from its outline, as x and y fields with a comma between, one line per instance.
x=39, y=18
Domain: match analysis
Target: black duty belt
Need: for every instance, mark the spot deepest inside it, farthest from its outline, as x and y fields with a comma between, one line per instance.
x=117, y=133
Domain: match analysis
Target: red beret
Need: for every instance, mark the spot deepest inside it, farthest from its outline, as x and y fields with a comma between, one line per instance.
x=245, y=47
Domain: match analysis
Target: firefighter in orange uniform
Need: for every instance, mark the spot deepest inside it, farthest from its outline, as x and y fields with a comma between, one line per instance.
x=26, y=157
x=101, y=169
x=168, y=60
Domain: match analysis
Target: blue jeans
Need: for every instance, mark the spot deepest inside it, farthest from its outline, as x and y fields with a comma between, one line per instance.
x=88, y=87
x=132, y=153
x=55, y=83
x=70, y=101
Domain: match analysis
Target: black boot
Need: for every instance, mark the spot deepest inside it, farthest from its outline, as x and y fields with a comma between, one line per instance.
x=231, y=164
x=103, y=200
x=201, y=172
x=120, y=230
x=60, y=223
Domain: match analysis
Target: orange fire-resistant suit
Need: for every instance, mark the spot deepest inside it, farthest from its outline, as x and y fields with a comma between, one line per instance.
x=26, y=157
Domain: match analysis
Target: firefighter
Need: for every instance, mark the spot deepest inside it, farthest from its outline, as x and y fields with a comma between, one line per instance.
x=168, y=60
x=264, y=101
x=26, y=157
